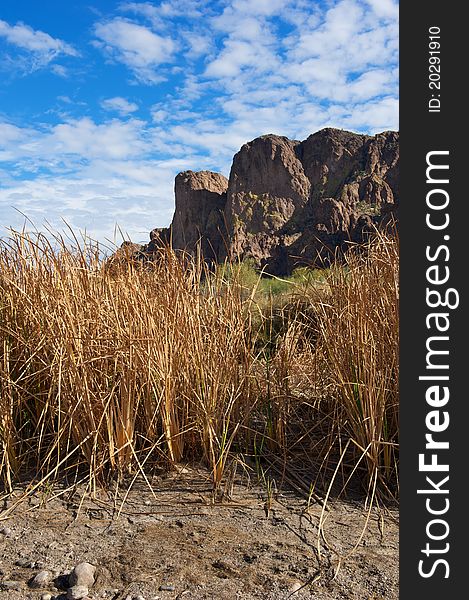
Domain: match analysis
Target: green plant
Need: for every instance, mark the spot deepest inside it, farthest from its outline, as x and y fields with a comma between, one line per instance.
x=366, y=208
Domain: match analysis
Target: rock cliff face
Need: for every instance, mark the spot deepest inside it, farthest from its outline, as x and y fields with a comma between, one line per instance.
x=288, y=202
x=267, y=190
x=198, y=216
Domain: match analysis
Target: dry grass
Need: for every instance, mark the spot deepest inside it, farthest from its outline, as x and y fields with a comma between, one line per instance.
x=359, y=340
x=117, y=368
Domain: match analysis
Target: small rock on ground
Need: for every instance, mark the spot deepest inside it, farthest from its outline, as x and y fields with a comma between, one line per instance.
x=41, y=580
x=82, y=575
x=25, y=563
x=10, y=585
x=77, y=592
x=296, y=586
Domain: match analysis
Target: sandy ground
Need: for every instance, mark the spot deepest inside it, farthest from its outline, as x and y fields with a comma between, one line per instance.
x=178, y=543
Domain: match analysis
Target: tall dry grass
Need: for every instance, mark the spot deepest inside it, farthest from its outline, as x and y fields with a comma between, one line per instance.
x=116, y=366
x=112, y=368
x=358, y=327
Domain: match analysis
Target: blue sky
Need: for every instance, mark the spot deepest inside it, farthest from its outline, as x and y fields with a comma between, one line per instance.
x=103, y=102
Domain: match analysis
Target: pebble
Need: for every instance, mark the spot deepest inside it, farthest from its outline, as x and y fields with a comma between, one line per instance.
x=77, y=592
x=295, y=587
x=82, y=575
x=46, y=596
x=25, y=563
x=166, y=588
x=6, y=531
x=41, y=579
x=10, y=585
x=139, y=597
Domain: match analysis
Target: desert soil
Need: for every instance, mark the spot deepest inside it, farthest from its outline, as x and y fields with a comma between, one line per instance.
x=176, y=542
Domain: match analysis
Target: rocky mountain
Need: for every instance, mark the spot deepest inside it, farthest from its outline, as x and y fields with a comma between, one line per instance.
x=198, y=215
x=287, y=202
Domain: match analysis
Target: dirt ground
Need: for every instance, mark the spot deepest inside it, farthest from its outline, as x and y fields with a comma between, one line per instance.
x=178, y=543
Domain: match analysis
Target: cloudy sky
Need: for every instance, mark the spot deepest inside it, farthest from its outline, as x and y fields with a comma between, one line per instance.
x=103, y=102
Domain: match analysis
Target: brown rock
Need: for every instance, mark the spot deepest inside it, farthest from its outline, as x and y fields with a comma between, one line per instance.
x=267, y=188
x=290, y=202
x=41, y=580
x=287, y=202
x=77, y=592
x=198, y=217
x=82, y=575
x=159, y=238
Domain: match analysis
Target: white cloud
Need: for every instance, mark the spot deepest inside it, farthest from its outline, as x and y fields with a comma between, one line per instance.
x=36, y=41
x=84, y=138
x=139, y=48
x=94, y=181
x=72, y=144
x=145, y=9
x=239, y=12
x=158, y=114
x=14, y=141
x=385, y=8
x=10, y=133
x=41, y=48
x=191, y=9
x=59, y=70
x=372, y=83
x=200, y=44
x=119, y=105
x=337, y=56
x=243, y=50
x=95, y=205
x=376, y=116
x=235, y=56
